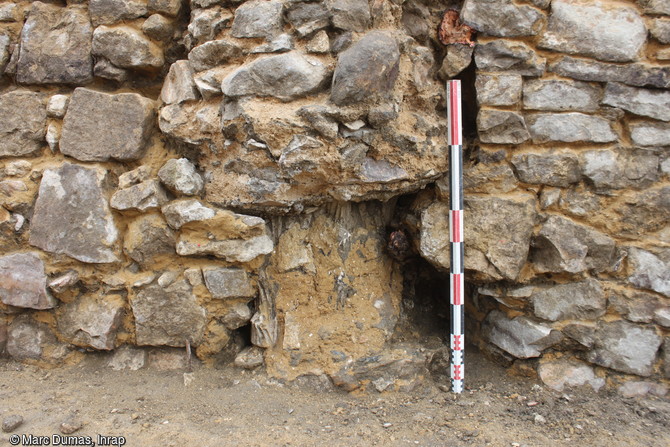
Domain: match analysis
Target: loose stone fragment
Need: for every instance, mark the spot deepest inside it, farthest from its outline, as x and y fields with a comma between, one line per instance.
x=501, y=127
x=258, y=19
x=250, y=358
x=179, y=85
x=22, y=123
x=141, y=197
x=368, y=69
x=555, y=169
x=11, y=423
x=287, y=76
x=237, y=316
x=625, y=347
x=180, y=176
x=582, y=301
x=71, y=200
x=510, y=57
x=227, y=283
x=319, y=44
x=168, y=316
x=126, y=47
x=181, y=212
x=570, y=128
x=57, y=106
x=645, y=102
x=121, y=135
x=148, y=237
x=560, y=374
x=501, y=18
x=564, y=246
x=609, y=31
x=55, y=46
x=520, y=336
x=498, y=89
x=92, y=322
x=638, y=389
x=558, y=96
x=23, y=282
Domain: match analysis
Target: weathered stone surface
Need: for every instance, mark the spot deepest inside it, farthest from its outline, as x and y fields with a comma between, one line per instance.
x=565, y=246
x=457, y=59
x=127, y=357
x=434, y=244
x=555, y=95
x=208, y=82
x=632, y=74
x=570, y=128
x=645, y=102
x=650, y=134
x=307, y=18
x=104, y=69
x=520, y=336
x=559, y=374
x=638, y=389
x=22, y=123
x=666, y=357
x=655, y=6
x=638, y=307
x=4, y=52
x=57, y=106
x=207, y=23
x=11, y=423
x=488, y=219
x=350, y=15
x=92, y=322
x=28, y=339
x=258, y=19
x=501, y=127
x=227, y=283
x=167, y=7
x=649, y=271
x=618, y=36
x=617, y=169
x=131, y=178
x=9, y=12
x=229, y=236
x=148, y=237
x=106, y=12
x=483, y=178
x=179, y=85
x=180, y=212
x=168, y=316
x=660, y=30
x=498, y=89
x=319, y=44
x=126, y=47
x=237, y=316
x=510, y=57
x=23, y=282
x=642, y=212
x=71, y=200
x=368, y=69
x=141, y=197
x=180, y=176
x=625, y=347
x=55, y=46
x=158, y=27
x=501, y=18
x=3, y=336
x=285, y=76
x=555, y=168
x=280, y=44
x=250, y=358
x=213, y=54
x=580, y=300
x=121, y=135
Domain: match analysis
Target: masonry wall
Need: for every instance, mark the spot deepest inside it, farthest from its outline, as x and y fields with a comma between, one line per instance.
x=224, y=175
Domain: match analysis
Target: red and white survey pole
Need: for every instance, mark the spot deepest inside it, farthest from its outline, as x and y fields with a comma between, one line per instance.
x=456, y=295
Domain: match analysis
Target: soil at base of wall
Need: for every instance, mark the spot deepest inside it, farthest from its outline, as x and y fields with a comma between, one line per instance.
x=221, y=407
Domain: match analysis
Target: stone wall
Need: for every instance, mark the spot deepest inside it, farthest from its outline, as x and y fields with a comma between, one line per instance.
x=224, y=175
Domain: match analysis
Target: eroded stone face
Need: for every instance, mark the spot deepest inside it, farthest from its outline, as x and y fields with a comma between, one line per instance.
x=22, y=123
x=23, y=282
x=72, y=201
x=626, y=347
x=92, y=322
x=501, y=18
x=55, y=46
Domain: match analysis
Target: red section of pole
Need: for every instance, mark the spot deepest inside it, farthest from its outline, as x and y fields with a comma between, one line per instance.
x=456, y=283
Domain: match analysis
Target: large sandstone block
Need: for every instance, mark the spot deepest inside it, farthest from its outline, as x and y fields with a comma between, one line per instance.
x=55, y=46
x=501, y=18
x=555, y=95
x=606, y=30
x=99, y=126
x=92, y=322
x=23, y=119
x=168, y=316
x=23, y=282
x=369, y=68
x=645, y=102
x=72, y=215
x=570, y=128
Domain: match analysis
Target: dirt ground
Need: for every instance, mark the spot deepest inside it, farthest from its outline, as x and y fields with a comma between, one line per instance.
x=228, y=407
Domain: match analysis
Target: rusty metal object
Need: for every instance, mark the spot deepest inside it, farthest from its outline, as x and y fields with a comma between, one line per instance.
x=452, y=31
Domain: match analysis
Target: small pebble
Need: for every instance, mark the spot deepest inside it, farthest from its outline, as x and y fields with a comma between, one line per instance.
x=70, y=426
x=387, y=425
x=539, y=419
x=11, y=423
